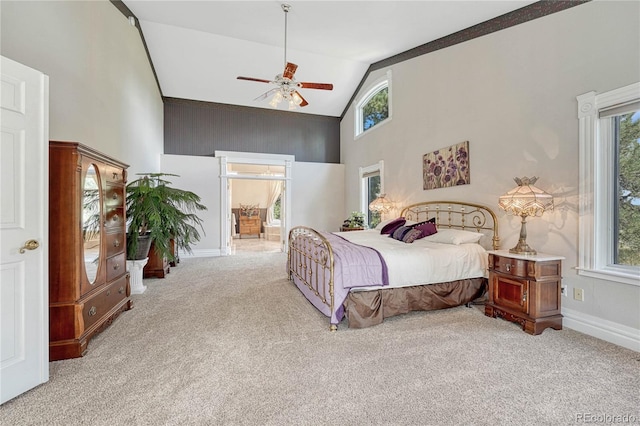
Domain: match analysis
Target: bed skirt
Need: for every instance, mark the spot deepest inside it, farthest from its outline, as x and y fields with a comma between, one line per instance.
x=367, y=308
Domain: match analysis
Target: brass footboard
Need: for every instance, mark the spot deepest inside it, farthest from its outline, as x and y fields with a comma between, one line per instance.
x=310, y=262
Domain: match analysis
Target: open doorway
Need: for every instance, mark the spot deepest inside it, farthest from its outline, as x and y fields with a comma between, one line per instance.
x=267, y=174
x=256, y=199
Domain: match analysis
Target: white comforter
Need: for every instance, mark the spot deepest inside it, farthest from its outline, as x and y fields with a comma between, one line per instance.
x=422, y=262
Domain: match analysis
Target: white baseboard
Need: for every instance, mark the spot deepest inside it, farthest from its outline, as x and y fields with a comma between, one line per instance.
x=200, y=253
x=609, y=331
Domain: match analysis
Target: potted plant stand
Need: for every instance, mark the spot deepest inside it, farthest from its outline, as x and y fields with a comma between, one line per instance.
x=157, y=266
x=135, y=268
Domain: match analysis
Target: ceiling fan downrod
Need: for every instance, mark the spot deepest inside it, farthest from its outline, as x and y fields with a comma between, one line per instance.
x=285, y=8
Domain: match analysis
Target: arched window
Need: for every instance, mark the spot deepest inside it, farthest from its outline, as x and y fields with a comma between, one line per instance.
x=375, y=106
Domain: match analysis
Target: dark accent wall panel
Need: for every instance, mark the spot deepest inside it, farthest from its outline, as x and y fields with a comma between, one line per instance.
x=201, y=128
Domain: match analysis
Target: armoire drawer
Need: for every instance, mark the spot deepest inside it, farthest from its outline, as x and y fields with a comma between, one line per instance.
x=116, y=266
x=100, y=304
x=114, y=174
x=116, y=243
x=114, y=218
x=114, y=196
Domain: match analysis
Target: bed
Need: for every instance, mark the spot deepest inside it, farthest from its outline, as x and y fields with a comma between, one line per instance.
x=367, y=277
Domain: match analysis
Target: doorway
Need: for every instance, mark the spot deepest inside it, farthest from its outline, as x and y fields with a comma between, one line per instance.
x=256, y=207
x=255, y=201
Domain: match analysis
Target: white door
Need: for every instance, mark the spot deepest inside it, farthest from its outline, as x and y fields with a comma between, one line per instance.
x=24, y=166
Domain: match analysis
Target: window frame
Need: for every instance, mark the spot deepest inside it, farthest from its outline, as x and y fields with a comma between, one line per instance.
x=378, y=85
x=597, y=186
x=364, y=173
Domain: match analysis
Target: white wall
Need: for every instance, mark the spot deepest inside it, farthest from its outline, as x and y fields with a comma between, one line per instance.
x=102, y=89
x=511, y=94
x=318, y=195
x=200, y=175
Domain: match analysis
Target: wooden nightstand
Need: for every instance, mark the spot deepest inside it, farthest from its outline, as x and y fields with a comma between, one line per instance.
x=347, y=229
x=525, y=289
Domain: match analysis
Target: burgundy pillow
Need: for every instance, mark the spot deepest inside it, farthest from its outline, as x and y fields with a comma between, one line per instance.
x=427, y=227
x=393, y=225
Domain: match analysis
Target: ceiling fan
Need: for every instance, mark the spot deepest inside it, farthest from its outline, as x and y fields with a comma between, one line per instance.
x=287, y=85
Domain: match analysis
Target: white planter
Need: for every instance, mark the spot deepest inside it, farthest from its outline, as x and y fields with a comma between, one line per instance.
x=135, y=269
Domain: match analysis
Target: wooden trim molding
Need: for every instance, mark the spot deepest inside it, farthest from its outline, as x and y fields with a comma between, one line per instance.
x=128, y=13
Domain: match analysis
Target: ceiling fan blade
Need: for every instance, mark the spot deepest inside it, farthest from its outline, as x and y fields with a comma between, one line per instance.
x=261, y=80
x=323, y=86
x=266, y=94
x=289, y=70
x=304, y=101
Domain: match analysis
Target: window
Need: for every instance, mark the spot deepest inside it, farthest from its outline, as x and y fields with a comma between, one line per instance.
x=276, y=207
x=371, y=185
x=375, y=106
x=610, y=184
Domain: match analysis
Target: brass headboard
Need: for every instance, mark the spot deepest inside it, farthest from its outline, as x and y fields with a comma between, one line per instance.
x=458, y=215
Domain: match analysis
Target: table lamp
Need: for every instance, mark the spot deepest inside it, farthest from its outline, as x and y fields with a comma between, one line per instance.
x=525, y=200
x=380, y=204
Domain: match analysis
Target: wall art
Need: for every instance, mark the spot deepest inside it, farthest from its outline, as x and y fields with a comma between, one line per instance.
x=446, y=167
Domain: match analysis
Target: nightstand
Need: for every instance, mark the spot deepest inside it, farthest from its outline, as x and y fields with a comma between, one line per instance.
x=347, y=229
x=525, y=289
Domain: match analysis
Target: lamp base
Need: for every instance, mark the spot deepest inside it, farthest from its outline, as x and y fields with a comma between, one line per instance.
x=522, y=248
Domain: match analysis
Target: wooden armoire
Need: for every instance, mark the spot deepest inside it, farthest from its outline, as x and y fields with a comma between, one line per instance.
x=88, y=281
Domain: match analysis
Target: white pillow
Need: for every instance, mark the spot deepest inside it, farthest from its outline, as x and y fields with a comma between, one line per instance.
x=454, y=236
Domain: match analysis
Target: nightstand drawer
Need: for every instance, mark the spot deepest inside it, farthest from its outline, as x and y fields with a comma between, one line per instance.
x=505, y=265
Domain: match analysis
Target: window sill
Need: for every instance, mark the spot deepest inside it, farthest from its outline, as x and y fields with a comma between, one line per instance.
x=621, y=277
x=377, y=125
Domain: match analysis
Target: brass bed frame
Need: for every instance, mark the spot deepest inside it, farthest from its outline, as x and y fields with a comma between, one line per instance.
x=311, y=259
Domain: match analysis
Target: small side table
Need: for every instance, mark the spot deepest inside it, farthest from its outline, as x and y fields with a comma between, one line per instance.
x=525, y=289
x=347, y=229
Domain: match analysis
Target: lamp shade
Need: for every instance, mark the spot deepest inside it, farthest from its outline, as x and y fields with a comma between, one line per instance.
x=526, y=199
x=380, y=204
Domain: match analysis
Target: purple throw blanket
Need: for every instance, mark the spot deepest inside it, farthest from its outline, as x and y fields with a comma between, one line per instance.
x=356, y=265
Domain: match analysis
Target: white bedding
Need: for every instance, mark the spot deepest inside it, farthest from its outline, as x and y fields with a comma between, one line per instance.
x=422, y=262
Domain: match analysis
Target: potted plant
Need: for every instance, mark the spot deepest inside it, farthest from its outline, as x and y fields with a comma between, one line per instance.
x=355, y=220
x=161, y=213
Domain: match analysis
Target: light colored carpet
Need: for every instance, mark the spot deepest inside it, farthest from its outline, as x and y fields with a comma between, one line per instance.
x=231, y=341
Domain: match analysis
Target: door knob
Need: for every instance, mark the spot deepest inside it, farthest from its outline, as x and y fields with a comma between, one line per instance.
x=29, y=245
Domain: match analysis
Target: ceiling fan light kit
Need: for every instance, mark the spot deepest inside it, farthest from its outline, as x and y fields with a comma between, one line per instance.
x=287, y=85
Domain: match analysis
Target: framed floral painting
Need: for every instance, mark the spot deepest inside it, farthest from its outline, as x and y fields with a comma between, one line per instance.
x=446, y=167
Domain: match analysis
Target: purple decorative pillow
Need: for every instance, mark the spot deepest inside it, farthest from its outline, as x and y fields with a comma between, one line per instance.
x=393, y=225
x=399, y=233
x=412, y=235
x=427, y=227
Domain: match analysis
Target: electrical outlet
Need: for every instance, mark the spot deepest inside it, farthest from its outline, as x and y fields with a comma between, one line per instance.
x=564, y=290
x=578, y=294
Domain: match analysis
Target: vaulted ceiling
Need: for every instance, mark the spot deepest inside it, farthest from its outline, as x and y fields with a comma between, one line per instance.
x=198, y=48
